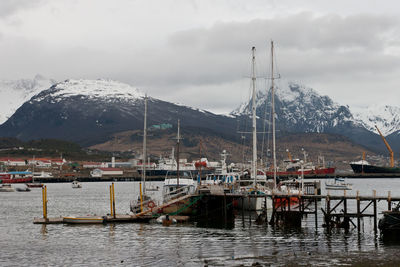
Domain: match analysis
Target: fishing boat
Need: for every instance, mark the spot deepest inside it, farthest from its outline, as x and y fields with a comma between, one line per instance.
x=76, y=184
x=16, y=177
x=178, y=184
x=6, y=188
x=83, y=220
x=222, y=174
x=338, y=184
x=143, y=200
x=295, y=167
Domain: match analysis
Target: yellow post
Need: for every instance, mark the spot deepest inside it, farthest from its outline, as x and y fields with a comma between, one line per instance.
x=113, y=194
x=141, y=197
x=44, y=199
x=111, y=202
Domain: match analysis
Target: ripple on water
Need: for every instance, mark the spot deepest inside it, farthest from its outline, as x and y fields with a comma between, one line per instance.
x=178, y=245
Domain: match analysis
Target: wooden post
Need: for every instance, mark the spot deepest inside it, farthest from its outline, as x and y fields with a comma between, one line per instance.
x=316, y=212
x=328, y=212
x=44, y=200
x=389, y=201
x=272, y=220
x=111, y=202
x=113, y=193
x=345, y=218
x=242, y=198
x=358, y=212
x=141, y=197
x=266, y=209
x=375, y=213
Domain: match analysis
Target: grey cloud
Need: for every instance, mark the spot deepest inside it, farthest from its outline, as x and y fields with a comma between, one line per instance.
x=318, y=50
x=9, y=7
x=306, y=46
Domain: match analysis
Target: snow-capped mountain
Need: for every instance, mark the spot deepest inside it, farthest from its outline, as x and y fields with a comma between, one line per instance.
x=14, y=93
x=92, y=89
x=386, y=118
x=300, y=109
x=90, y=111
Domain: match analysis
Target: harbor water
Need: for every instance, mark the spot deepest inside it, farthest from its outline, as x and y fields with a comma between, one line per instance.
x=150, y=244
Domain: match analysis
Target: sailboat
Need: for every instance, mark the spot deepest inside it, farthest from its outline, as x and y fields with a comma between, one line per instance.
x=143, y=200
x=257, y=185
x=280, y=189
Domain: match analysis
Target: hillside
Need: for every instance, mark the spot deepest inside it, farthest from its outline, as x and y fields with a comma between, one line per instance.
x=337, y=150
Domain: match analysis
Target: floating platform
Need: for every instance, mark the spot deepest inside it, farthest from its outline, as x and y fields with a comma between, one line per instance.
x=119, y=218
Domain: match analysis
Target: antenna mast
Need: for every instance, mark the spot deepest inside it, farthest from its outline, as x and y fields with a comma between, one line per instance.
x=144, y=146
x=178, y=138
x=273, y=110
x=253, y=79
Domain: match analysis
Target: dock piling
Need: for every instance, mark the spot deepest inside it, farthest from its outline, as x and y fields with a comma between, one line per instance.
x=44, y=200
x=111, y=202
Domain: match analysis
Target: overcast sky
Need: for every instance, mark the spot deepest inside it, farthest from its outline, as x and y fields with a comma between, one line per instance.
x=198, y=52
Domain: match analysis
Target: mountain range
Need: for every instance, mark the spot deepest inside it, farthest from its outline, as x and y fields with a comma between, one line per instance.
x=91, y=112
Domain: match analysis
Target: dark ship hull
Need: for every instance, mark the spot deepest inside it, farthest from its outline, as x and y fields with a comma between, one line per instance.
x=359, y=168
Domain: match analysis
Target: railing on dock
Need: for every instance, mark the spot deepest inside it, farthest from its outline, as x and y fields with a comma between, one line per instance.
x=181, y=191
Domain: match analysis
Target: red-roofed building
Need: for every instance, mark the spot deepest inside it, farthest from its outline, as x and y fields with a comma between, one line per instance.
x=13, y=162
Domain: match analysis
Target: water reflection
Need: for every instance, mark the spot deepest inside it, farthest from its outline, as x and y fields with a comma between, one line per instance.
x=244, y=242
x=43, y=231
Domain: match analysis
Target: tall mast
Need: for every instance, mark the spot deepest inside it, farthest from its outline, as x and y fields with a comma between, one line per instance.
x=253, y=79
x=144, y=146
x=273, y=110
x=178, y=138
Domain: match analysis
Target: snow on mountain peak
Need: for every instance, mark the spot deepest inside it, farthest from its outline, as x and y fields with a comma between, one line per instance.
x=14, y=93
x=101, y=88
x=386, y=118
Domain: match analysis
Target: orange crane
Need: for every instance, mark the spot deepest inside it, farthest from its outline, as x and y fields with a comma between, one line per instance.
x=388, y=147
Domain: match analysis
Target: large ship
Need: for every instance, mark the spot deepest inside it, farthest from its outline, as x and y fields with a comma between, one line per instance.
x=168, y=165
x=363, y=166
x=297, y=167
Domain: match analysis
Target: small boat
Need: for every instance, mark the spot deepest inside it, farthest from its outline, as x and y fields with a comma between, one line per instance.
x=389, y=224
x=34, y=185
x=6, y=188
x=23, y=189
x=84, y=220
x=152, y=188
x=166, y=220
x=338, y=184
x=76, y=184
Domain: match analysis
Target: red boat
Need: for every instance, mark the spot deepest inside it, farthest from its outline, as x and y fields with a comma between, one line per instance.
x=16, y=177
x=34, y=185
x=297, y=167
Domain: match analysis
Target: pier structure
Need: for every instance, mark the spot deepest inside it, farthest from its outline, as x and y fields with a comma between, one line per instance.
x=289, y=209
x=214, y=206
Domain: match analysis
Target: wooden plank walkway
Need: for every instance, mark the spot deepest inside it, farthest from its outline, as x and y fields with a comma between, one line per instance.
x=144, y=216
